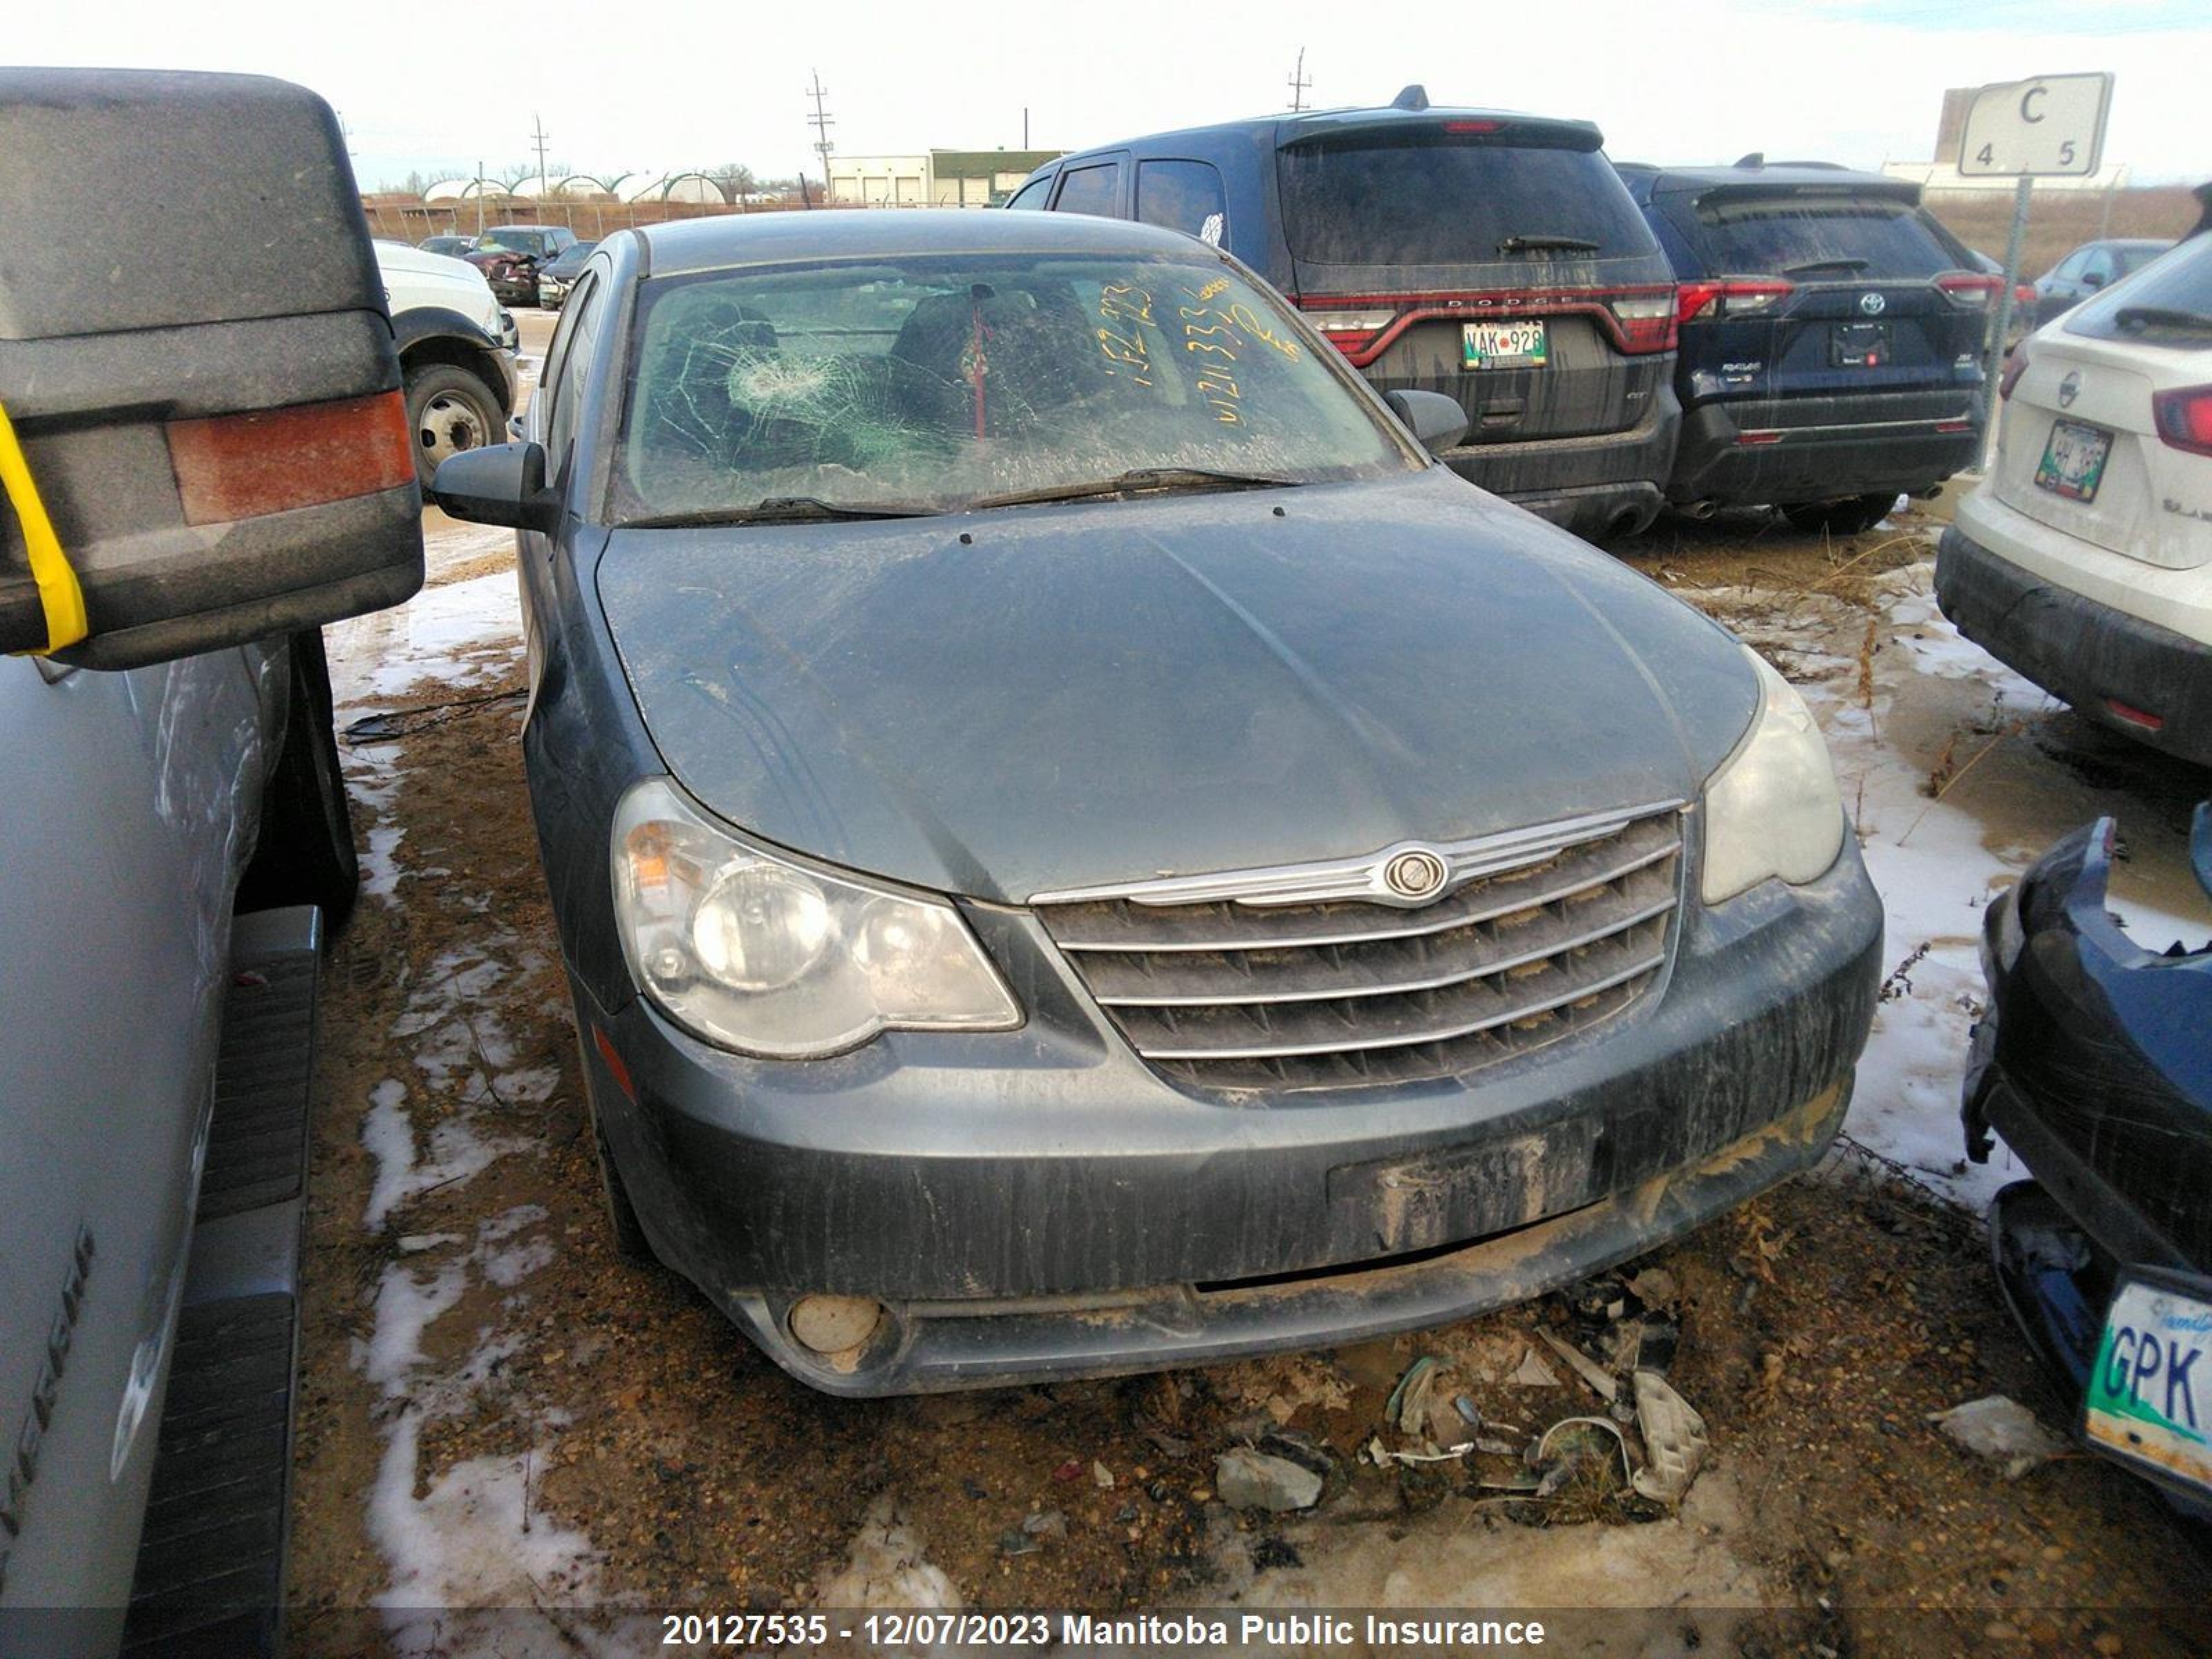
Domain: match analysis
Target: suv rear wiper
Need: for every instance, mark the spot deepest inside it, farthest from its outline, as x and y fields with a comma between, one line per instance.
x=1144, y=477
x=2159, y=317
x=1824, y=264
x=1532, y=244
x=780, y=509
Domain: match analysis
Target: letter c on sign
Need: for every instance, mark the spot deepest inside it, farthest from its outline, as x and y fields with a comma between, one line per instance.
x=2029, y=97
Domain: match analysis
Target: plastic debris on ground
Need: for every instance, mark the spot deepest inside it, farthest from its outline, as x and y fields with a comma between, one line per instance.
x=2001, y=1430
x=1673, y=1438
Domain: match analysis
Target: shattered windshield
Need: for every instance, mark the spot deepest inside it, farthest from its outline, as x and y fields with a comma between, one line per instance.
x=937, y=383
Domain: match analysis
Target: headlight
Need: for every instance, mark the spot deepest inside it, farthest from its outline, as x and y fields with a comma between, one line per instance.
x=1772, y=809
x=754, y=951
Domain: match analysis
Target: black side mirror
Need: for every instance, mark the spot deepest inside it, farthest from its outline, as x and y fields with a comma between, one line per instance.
x=2092, y=279
x=1436, y=421
x=501, y=483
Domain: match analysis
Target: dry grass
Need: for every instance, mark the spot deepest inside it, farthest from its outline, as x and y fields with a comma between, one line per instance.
x=2061, y=220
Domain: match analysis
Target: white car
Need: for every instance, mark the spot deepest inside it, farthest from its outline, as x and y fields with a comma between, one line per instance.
x=2084, y=560
x=456, y=350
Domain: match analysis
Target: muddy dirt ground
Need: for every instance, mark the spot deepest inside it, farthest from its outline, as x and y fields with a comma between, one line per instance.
x=498, y=1411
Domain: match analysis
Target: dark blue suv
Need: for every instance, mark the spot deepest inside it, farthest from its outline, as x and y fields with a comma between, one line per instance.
x=1830, y=339
x=1491, y=257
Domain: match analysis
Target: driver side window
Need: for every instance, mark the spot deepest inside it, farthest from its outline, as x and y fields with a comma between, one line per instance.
x=565, y=361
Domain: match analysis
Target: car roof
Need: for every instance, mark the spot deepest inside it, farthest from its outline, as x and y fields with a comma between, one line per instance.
x=1758, y=175
x=738, y=239
x=1411, y=108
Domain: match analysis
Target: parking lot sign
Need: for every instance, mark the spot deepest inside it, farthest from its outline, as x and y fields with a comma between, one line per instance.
x=2049, y=126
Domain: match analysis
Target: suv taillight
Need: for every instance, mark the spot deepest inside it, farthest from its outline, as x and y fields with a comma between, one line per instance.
x=1971, y=290
x=1351, y=330
x=1647, y=321
x=2184, y=418
x=1638, y=321
x=1703, y=301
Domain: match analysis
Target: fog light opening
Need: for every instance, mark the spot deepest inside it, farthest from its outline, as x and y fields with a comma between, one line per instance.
x=834, y=1328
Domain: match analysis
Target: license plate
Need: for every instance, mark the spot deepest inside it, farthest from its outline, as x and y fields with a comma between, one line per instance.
x=1503, y=345
x=2149, y=1399
x=1858, y=345
x=2073, y=463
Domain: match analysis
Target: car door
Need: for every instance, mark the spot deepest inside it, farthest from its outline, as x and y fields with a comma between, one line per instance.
x=551, y=421
x=130, y=798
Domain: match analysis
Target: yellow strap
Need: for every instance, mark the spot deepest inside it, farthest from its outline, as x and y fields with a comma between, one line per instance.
x=59, y=591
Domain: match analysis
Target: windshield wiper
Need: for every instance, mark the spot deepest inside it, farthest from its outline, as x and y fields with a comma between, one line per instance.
x=1824, y=264
x=1531, y=244
x=2159, y=317
x=1144, y=477
x=781, y=509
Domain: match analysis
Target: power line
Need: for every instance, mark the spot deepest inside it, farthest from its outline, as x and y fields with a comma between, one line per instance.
x=1300, y=81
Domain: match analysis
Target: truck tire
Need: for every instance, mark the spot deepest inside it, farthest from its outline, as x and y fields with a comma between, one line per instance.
x=1848, y=517
x=305, y=854
x=449, y=409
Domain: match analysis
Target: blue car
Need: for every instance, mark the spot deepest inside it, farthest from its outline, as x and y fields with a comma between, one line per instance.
x=1079, y=845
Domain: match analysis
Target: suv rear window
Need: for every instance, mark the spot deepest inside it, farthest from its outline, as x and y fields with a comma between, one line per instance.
x=2170, y=304
x=1433, y=201
x=1783, y=235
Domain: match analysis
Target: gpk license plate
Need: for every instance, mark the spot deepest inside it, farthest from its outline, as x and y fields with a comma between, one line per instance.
x=2149, y=1399
x=1503, y=345
x=2073, y=463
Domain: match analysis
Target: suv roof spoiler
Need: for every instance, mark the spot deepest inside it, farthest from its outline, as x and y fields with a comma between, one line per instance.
x=1397, y=123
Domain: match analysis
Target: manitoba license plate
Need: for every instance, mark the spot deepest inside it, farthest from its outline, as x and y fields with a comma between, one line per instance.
x=1503, y=346
x=2073, y=463
x=2149, y=1400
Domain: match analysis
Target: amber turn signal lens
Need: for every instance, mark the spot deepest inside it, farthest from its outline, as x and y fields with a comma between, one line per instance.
x=277, y=460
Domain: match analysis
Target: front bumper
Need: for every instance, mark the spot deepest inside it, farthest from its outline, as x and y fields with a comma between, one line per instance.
x=1040, y=1203
x=2079, y=648
x=1839, y=448
x=2091, y=1062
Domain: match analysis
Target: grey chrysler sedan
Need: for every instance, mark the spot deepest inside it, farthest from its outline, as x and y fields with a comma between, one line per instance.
x=1078, y=846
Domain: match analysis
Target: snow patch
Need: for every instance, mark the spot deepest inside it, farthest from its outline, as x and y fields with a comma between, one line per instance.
x=886, y=1567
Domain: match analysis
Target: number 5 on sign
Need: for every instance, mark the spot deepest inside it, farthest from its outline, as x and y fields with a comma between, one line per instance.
x=2049, y=126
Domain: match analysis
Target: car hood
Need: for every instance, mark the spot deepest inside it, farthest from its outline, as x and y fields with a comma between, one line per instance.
x=1006, y=703
x=414, y=262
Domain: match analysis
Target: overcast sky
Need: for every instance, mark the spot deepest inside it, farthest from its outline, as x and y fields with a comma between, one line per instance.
x=652, y=85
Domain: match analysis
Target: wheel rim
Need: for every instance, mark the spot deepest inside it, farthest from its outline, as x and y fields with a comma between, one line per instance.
x=449, y=424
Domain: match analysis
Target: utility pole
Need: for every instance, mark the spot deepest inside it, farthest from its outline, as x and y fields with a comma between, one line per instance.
x=1025, y=127
x=1300, y=81
x=821, y=121
x=539, y=137
x=479, y=196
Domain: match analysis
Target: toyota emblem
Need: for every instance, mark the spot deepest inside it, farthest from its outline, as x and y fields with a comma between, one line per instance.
x=2069, y=389
x=1873, y=304
x=1415, y=874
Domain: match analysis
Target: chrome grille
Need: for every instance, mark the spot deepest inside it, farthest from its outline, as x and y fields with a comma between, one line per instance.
x=1545, y=931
